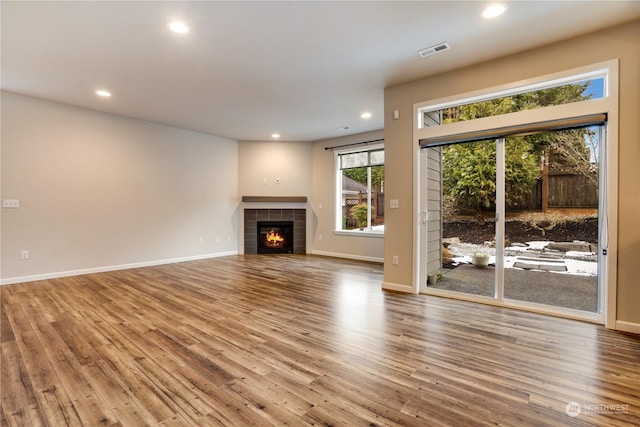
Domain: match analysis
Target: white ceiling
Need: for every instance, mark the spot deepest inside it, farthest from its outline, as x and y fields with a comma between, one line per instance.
x=249, y=69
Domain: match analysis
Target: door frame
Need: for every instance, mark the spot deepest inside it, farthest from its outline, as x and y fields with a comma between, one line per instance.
x=608, y=104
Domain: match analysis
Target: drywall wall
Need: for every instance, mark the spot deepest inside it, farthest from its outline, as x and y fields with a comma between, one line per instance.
x=99, y=191
x=621, y=42
x=325, y=240
x=274, y=168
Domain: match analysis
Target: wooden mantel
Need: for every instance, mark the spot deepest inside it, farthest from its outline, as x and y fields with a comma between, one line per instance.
x=275, y=199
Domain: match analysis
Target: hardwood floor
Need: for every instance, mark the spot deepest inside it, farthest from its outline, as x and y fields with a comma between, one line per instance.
x=296, y=340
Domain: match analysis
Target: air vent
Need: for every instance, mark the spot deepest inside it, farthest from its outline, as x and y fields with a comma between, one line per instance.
x=433, y=49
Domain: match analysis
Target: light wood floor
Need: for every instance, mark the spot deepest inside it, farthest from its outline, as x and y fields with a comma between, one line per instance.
x=296, y=340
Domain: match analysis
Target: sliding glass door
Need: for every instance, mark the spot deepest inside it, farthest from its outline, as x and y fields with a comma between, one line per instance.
x=552, y=233
x=461, y=193
x=516, y=219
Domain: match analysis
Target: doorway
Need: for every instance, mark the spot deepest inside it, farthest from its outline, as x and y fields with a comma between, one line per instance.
x=517, y=219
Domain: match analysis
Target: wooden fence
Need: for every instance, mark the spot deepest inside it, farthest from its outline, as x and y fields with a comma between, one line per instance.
x=565, y=191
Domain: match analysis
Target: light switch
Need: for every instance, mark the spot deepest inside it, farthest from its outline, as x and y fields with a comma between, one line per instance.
x=10, y=203
x=393, y=203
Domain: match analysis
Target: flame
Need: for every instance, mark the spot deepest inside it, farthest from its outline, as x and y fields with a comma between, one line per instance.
x=274, y=238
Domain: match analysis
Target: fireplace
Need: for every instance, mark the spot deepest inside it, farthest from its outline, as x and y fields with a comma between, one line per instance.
x=296, y=218
x=275, y=237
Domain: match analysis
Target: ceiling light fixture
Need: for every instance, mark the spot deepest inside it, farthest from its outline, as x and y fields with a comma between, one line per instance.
x=103, y=93
x=178, y=27
x=494, y=10
x=275, y=135
x=366, y=115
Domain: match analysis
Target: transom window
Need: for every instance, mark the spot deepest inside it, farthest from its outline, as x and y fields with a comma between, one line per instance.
x=529, y=97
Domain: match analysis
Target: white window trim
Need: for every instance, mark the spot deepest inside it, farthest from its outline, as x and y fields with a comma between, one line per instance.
x=602, y=69
x=608, y=104
x=338, y=231
x=359, y=233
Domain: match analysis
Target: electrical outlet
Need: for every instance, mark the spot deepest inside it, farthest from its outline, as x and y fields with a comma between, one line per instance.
x=394, y=260
x=24, y=254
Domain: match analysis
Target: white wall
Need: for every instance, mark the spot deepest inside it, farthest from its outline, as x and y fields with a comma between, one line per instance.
x=99, y=191
x=323, y=204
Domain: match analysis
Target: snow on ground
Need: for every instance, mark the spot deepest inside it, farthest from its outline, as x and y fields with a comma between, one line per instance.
x=577, y=263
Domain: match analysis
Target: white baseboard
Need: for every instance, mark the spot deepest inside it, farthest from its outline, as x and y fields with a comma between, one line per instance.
x=348, y=256
x=398, y=288
x=56, y=275
x=634, y=328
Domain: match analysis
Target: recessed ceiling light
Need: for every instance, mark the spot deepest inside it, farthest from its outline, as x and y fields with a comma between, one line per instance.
x=178, y=27
x=103, y=93
x=366, y=115
x=275, y=135
x=494, y=10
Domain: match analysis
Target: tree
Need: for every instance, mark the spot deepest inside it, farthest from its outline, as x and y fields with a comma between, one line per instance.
x=470, y=172
x=360, y=175
x=359, y=212
x=469, y=169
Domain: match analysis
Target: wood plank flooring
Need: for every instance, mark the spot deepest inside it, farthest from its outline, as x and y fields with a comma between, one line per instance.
x=296, y=340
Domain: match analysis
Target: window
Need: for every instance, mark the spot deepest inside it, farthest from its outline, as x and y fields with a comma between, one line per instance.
x=360, y=190
x=547, y=93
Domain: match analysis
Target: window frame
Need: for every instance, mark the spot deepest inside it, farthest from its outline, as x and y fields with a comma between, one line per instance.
x=338, y=230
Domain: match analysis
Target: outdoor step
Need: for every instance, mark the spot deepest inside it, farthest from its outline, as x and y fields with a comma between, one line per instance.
x=541, y=259
x=543, y=267
x=571, y=246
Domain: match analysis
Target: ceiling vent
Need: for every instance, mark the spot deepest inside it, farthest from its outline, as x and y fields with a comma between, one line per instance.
x=433, y=49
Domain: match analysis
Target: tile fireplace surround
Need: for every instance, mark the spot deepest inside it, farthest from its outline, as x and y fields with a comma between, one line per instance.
x=272, y=213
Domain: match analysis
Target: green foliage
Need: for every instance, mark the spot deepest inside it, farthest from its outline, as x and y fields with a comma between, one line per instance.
x=470, y=173
x=522, y=169
x=360, y=175
x=469, y=170
x=356, y=174
x=359, y=212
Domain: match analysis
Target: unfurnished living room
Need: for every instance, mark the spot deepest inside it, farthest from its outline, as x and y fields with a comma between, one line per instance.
x=367, y=213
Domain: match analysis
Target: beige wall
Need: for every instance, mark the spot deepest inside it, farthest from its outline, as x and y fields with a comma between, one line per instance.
x=325, y=241
x=260, y=164
x=304, y=169
x=274, y=168
x=621, y=42
x=99, y=191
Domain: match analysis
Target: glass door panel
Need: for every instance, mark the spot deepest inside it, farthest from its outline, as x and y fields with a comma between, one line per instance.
x=551, y=222
x=460, y=218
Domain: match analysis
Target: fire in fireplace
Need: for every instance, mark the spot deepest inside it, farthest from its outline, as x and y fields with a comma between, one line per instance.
x=275, y=237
